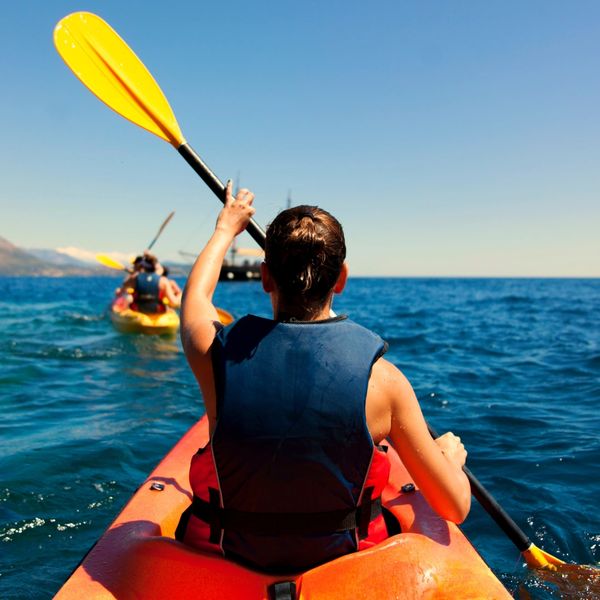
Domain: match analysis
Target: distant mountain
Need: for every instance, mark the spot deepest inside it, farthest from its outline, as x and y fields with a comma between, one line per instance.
x=57, y=258
x=14, y=261
x=48, y=263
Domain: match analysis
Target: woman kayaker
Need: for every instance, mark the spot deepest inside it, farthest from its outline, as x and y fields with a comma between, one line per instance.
x=297, y=405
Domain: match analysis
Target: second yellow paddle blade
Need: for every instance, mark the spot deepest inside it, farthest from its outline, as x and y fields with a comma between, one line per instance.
x=106, y=65
x=109, y=262
x=225, y=316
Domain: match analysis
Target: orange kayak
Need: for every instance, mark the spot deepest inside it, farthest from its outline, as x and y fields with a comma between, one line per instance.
x=126, y=320
x=138, y=557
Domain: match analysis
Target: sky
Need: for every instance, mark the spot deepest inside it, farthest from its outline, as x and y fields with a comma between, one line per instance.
x=457, y=138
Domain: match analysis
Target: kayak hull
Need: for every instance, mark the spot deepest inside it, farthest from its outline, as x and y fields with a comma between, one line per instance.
x=131, y=321
x=138, y=556
x=126, y=320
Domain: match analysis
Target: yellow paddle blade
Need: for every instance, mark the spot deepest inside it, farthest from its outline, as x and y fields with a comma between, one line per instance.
x=538, y=559
x=108, y=67
x=568, y=577
x=224, y=316
x=109, y=262
x=569, y=580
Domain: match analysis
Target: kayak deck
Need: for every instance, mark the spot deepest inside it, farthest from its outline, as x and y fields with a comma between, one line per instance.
x=126, y=320
x=138, y=556
x=131, y=321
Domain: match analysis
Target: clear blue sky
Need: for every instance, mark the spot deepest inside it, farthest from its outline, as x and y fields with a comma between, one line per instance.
x=450, y=138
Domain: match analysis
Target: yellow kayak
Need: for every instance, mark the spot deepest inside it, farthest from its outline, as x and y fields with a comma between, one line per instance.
x=126, y=320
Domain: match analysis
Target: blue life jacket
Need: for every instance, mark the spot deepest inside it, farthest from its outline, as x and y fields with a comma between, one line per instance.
x=291, y=446
x=147, y=296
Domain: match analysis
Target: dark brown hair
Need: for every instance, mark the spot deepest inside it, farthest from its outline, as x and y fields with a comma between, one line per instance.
x=305, y=250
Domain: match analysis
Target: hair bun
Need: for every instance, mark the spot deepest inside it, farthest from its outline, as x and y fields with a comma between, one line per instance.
x=305, y=250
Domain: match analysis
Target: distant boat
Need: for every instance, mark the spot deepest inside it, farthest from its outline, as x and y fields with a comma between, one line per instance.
x=246, y=269
x=240, y=264
x=245, y=272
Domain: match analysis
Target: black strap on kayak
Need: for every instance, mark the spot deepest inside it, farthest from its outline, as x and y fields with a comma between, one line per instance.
x=314, y=523
x=282, y=590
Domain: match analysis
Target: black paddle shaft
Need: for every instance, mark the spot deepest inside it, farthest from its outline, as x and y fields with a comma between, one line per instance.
x=503, y=520
x=213, y=182
x=487, y=501
x=491, y=506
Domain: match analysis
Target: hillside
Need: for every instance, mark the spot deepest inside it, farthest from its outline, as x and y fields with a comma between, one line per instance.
x=17, y=262
x=57, y=258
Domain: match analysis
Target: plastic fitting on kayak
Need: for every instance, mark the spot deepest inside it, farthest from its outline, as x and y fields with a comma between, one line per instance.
x=283, y=590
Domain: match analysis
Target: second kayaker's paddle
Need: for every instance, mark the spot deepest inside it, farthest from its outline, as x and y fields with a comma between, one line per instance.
x=108, y=67
x=111, y=263
x=162, y=227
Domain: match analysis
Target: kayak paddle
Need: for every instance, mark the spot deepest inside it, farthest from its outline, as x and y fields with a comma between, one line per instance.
x=534, y=557
x=111, y=263
x=108, y=67
x=165, y=223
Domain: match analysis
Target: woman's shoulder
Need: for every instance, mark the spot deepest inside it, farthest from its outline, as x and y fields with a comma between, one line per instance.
x=389, y=377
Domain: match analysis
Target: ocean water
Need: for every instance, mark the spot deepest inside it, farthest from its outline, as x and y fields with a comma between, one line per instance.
x=510, y=365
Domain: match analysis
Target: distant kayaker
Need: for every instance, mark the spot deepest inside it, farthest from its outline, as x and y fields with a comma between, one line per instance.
x=175, y=289
x=148, y=291
x=297, y=405
x=159, y=269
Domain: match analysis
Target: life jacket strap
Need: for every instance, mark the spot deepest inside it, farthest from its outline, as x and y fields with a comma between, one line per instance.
x=215, y=522
x=257, y=523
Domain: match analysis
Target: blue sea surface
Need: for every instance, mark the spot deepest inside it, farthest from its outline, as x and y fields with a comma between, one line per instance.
x=510, y=365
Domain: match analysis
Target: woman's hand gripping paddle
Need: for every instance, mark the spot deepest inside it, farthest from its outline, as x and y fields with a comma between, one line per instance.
x=106, y=65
